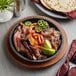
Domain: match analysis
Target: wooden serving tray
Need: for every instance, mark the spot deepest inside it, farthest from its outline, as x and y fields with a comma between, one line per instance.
x=31, y=65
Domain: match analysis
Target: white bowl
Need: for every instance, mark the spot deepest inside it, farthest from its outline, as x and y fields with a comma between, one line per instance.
x=5, y=15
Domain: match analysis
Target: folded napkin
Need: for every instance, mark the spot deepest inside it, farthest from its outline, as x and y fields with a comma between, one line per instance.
x=71, y=14
x=72, y=72
x=64, y=70
x=37, y=1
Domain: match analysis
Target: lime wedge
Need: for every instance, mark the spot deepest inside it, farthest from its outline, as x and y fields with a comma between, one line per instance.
x=48, y=51
x=47, y=44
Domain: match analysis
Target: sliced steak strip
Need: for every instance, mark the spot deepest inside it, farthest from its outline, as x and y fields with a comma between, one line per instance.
x=18, y=45
x=27, y=47
x=17, y=41
x=37, y=53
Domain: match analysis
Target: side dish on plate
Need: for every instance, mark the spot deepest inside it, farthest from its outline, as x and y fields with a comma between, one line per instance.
x=36, y=40
x=60, y=5
x=65, y=9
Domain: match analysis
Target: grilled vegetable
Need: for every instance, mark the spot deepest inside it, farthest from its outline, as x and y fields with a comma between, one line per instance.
x=28, y=23
x=38, y=29
x=33, y=41
x=43, y=24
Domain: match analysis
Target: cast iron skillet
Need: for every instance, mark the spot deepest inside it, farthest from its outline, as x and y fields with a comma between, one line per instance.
x=51, y=22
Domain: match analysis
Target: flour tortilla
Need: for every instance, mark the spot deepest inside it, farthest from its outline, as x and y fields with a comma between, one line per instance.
x=62, y=5
x=44, y=3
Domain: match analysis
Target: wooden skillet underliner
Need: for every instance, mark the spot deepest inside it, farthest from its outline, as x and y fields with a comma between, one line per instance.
x=26, y=64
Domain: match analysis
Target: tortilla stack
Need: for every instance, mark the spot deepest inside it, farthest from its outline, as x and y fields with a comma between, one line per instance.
x=62, y=5
x=44, y=3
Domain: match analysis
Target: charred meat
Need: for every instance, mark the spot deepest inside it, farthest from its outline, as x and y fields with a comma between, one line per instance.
x=37, y=40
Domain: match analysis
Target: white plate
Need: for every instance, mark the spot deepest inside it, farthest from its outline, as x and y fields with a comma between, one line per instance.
x=49, y=13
